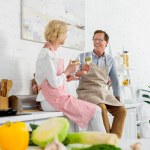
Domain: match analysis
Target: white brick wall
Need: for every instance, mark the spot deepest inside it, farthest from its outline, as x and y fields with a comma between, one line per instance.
x=17, y=56
x=127, y=24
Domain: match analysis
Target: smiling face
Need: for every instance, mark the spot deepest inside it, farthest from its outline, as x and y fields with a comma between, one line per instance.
x=99, y=43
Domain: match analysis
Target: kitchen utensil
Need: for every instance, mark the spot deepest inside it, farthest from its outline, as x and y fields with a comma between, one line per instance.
x=3, y=87
x=9, y=85
x=3, y=102
x=7, y=112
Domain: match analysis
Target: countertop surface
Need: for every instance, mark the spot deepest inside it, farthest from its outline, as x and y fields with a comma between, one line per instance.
x=29, y=116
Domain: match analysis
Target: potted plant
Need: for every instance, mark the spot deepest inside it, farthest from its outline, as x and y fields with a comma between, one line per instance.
x=146, y=95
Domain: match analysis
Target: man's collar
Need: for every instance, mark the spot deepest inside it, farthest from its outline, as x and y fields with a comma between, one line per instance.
x=95, y=55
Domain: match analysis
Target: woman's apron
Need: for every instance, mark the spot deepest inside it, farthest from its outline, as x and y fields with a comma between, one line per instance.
x=93, y=87
x=77, y=110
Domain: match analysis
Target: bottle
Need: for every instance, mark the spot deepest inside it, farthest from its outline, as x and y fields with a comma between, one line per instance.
x=125, y=78
x=125, y=81
x=120, y=60
x=126, y=58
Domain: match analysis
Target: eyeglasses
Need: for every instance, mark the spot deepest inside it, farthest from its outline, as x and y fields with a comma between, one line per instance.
x=99, y=40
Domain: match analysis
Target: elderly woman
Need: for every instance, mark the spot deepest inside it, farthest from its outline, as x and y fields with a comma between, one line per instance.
x=51, y=77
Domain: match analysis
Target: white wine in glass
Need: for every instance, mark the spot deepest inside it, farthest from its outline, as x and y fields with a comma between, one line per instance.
x=88, y=58
x=76, y=61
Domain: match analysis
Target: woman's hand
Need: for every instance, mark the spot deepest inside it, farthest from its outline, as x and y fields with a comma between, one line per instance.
x=70, y=78
x=71, y=68
x=35, y=88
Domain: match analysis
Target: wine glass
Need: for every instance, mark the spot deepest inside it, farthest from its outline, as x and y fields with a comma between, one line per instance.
x=75, y=61
x=88, y=58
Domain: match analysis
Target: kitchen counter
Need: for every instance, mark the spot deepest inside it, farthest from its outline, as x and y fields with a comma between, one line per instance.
x=130, y=129
x=132, y=105
x=30, y=116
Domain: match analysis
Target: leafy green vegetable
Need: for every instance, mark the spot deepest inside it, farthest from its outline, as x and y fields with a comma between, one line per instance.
x=48, y=130
x=30, y=141
x=89, y=137
x=146, y=95
x=33, y=127
x=147, y=102
x=144, y=90
x=97, y=147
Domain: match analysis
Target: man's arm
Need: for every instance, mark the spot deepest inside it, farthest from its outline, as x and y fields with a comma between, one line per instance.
x=84, y=70
x=114, y=79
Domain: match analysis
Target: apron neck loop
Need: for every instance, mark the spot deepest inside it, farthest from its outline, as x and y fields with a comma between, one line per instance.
x=49, y=46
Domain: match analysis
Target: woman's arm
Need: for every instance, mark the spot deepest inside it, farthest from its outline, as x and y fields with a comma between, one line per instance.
x=49, y=68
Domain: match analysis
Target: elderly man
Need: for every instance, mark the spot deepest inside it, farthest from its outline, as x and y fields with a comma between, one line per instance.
x=94, y=78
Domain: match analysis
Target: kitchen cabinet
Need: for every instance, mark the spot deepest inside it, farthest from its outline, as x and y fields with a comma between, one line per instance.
x=130, y=126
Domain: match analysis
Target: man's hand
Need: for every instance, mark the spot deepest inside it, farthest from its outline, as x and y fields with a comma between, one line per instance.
x=86, y=67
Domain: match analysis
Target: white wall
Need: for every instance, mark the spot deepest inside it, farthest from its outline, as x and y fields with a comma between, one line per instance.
x=127, y=23
x=17, y=56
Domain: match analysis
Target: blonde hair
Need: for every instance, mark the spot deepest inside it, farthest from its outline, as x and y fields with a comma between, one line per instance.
x=55, y=31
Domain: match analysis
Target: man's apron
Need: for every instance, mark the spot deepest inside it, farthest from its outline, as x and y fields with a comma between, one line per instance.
x=93, y=87
x=77, y=110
